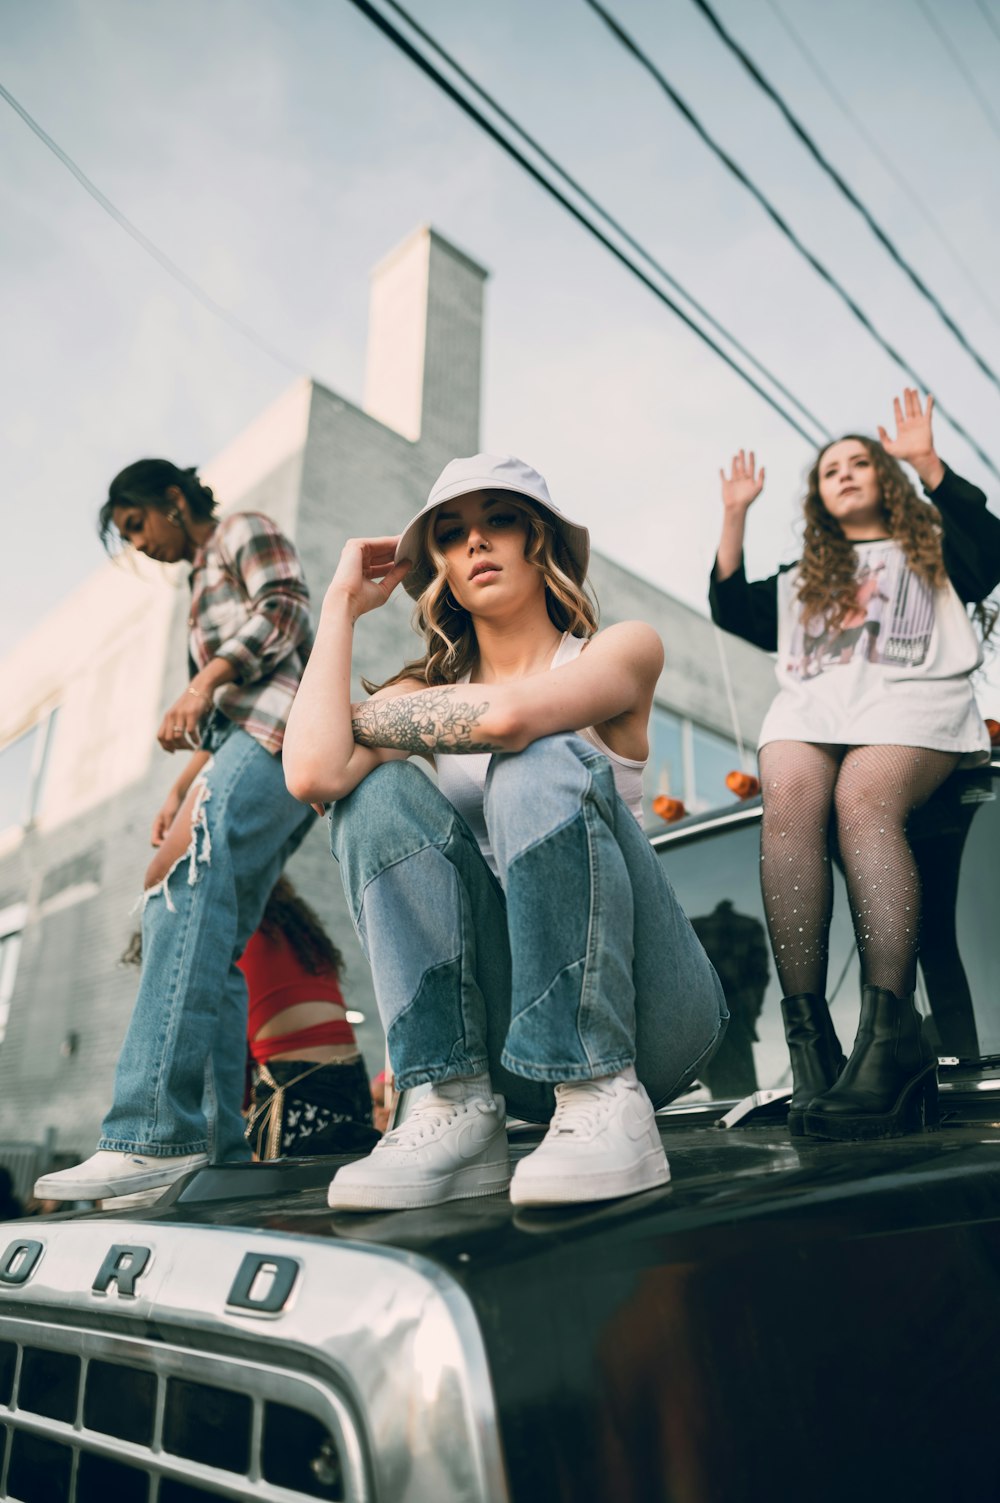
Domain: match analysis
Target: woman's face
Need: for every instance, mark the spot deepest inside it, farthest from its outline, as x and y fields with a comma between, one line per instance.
x=849, y=487
x=149, y=530
x=482, y=537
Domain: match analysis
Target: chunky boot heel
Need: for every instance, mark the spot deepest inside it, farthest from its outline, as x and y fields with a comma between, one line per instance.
x=889, y=1087
x=931, y=1104
x=919, y=1108
x=815, y=1052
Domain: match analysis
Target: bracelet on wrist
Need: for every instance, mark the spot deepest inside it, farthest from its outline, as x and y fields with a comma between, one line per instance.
x=201, y=694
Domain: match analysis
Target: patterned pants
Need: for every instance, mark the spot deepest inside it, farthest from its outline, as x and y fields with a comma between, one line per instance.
x=304, y=1110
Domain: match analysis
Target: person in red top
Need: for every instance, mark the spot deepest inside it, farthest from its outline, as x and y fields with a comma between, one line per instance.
x=310, y=1091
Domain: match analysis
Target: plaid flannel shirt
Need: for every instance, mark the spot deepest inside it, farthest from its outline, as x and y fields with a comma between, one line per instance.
x=250, y=605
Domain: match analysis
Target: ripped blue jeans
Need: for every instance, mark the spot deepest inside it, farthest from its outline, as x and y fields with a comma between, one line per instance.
x=179, y=1081
x=577, y=963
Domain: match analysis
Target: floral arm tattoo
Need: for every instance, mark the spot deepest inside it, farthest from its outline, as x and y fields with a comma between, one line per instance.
x=427, y=721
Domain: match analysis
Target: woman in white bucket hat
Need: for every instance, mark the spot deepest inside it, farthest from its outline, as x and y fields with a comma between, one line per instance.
x=521, y=934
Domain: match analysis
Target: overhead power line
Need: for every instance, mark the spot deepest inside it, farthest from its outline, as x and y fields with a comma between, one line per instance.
x=989, y=18
x=385, y=25
x=915, y=199
x=960, y=64
x=608, y=219
x=779, y=220
x=151, y=249
x=844, y=187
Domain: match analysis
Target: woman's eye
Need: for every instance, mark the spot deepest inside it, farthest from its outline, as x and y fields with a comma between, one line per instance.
x=504, y=519
x=449, y=536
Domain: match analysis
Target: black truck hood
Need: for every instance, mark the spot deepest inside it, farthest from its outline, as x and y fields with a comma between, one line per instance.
x=723, y=1184
x=705, y=1340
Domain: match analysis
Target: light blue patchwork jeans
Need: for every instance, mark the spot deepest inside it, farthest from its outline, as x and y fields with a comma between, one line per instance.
x=577, y=963
x=183, y=1061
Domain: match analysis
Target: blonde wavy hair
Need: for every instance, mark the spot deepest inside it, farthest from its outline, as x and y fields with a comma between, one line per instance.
x=448, y=630
x=827, y=585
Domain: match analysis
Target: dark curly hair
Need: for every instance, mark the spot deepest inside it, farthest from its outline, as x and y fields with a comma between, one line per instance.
x=144, y=484
x=827, y=584
x=290, y=916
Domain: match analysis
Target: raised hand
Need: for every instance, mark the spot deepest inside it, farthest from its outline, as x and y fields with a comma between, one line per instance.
x=367, y=573
x=743, y=485
x=914, y=441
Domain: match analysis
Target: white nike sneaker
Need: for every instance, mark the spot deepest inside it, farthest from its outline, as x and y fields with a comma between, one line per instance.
x=602, y=1142
x=452, y=1146
x=106, y=1174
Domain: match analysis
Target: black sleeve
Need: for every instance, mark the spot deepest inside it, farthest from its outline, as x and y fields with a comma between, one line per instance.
x=971, y=541
x=747, y=610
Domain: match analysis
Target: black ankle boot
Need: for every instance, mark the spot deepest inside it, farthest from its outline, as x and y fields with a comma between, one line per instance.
x=890, y=1084
x=817, y=1058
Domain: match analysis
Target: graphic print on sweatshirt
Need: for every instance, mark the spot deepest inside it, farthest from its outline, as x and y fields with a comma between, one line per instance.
x=890, y=623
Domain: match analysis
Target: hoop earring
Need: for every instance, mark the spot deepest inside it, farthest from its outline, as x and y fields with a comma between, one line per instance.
x=452, y=603
x=174, y=516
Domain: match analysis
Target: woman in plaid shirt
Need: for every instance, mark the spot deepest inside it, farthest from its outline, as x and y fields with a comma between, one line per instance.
x=224, y=833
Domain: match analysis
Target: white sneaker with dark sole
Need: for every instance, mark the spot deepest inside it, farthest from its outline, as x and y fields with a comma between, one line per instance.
x=106, y=1174
x=452, y=1146
x=602, y=1142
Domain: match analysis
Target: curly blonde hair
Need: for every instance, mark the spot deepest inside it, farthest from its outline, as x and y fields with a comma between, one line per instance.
x=448, y=630
x=827, y=585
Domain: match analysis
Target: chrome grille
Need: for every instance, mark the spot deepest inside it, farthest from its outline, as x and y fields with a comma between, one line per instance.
x=89, y=1418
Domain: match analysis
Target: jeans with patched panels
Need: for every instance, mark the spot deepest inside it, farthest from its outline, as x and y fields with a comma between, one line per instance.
x=577, y=963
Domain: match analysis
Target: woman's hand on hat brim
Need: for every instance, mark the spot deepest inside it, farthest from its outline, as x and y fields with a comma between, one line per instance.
x=367, y=574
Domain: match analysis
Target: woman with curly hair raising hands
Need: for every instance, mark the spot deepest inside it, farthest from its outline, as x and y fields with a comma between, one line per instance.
x=875, y=709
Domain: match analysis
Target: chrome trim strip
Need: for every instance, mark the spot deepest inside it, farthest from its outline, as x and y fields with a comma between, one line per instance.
x=725, y=819
x=757, y=1104
x=738, y=813
x=675, y=1110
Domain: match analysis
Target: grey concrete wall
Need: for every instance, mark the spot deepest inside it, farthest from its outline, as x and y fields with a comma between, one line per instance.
x=452, y=359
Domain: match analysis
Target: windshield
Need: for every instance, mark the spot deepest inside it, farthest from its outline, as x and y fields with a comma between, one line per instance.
x=716, y=877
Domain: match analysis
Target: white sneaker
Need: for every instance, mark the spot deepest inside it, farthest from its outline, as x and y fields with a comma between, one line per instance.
x=452, y=1146
x=602, y=1142
x=106, y=1174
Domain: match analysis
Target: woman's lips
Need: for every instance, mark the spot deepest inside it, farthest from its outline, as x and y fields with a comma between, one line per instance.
x=484, y=571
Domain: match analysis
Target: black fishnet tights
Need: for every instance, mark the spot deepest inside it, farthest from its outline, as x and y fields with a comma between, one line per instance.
x=873, y=791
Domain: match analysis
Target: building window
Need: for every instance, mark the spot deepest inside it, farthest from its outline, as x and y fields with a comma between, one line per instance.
x=665, y=769
x=11, y=929
x=23, y=765
x=688, y=762
x=713, y=757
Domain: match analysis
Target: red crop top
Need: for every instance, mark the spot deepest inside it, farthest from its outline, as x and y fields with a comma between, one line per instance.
x=277, y=979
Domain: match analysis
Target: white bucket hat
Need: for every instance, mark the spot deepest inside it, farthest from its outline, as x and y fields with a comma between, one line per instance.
x=485, y=472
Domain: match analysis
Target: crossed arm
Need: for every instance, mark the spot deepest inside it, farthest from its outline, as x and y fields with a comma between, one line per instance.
x=331, y=744
x=445, y=718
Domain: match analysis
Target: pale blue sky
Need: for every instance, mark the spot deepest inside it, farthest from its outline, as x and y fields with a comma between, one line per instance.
x=277, y=148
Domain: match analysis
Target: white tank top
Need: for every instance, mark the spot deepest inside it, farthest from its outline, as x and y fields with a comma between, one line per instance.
x=462, y=777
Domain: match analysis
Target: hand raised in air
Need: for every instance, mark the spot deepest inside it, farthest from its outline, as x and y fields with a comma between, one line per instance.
x=744, y=484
